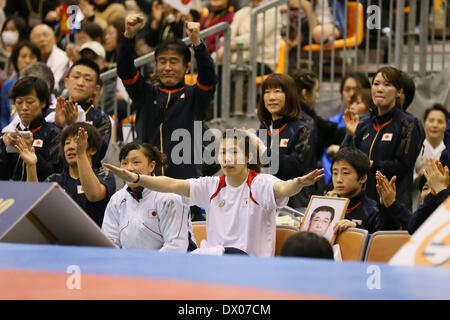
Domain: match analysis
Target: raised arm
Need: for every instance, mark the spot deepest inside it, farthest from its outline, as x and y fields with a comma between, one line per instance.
x=93, y=189
x=133, y=81
x=291, y=187
x=156, y=183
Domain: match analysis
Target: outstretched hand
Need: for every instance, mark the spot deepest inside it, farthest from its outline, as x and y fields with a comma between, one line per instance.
x=123, y=174
x=310, y=178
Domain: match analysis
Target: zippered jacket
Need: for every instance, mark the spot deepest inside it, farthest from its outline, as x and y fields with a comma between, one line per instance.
x=392, y=141
x=160, y=110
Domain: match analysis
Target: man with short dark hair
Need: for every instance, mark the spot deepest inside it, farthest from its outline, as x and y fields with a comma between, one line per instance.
x=170, y=105
x=82, y=83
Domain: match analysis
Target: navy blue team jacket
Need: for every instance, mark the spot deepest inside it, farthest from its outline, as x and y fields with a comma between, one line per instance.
x=160, y=110
x=296, y=153
x=392, y=141
x=369, y=215
x=46, y=146
x=95, y=210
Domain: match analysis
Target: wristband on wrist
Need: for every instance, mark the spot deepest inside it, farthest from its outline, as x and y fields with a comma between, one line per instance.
x=138, y=178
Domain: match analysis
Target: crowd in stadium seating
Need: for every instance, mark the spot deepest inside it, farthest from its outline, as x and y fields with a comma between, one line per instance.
x=57, y=126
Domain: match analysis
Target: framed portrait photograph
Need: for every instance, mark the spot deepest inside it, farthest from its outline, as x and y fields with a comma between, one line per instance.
x=322, y=214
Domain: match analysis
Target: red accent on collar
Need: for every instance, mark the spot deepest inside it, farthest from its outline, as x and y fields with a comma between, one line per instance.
x=132, y=80
x=381, y=126
x=222, y=184
x=352, y=208
x=35, y=129
x=279, y=130
x=251, y=175
x=170, y=90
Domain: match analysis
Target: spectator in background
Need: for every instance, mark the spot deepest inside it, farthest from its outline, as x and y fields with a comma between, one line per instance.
x=349, y=84
x=44, y=38
x=166, y=22
x=111, y=89
x=4, y=53
x=102, y=12
x=24, y=54
x=307, y=245
x=435, y=120
x=240, y=32
x=360, y=104
x=14, y=31
x=34, y=12
x=294, y=15
x=221, y=11
x=322, y=21
x=31, y=98
x=328, y=132
x=89, y=31
x=112, y=37
x=389, y=138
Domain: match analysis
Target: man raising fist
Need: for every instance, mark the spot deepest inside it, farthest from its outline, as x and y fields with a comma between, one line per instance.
x=170, y=105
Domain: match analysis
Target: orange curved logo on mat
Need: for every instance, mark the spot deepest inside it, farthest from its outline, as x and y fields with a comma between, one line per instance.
x=185, y=2
x=437, y=243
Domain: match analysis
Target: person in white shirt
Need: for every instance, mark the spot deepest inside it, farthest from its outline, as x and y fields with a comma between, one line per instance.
x=435, y=121
x=44, y=38
x=141, y=218
x=241, y=204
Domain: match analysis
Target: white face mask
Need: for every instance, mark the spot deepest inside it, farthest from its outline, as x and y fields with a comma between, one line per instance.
x=10, y=38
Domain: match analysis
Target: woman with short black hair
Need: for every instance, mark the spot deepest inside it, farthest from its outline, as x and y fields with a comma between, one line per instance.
x=31, y=98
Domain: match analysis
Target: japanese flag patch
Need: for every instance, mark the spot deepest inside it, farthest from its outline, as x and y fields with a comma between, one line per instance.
x=38, y=143
x=284, y=142
x=387, y=137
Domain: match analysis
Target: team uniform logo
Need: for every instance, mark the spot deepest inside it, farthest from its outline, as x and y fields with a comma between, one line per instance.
x=284, y=142
x=387, y=137
x=38, y=143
